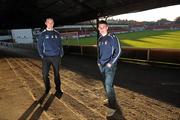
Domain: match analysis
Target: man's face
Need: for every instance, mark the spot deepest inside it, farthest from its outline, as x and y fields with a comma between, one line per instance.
x=49, y=23
x=103, y=29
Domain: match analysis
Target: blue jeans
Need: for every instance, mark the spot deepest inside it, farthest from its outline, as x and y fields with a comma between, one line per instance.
x=108, y=78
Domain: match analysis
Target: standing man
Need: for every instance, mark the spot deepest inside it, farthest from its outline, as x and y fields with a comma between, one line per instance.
x=109, y=52
x=50, y=50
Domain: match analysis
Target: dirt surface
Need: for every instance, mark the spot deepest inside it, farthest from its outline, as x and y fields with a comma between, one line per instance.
x=144, y=92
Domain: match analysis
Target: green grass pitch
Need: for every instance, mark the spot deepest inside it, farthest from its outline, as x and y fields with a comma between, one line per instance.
x=144, y=39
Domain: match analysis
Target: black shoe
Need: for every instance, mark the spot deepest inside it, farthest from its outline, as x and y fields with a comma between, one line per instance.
x=58, y=94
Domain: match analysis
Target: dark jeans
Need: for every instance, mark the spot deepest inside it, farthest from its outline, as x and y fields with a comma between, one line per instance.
x=108, y=78
x=46, y=63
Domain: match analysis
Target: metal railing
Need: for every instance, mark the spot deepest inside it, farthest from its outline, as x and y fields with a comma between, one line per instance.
x=169, y=56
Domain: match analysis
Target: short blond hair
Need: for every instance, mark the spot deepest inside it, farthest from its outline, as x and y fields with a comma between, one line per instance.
x=49, y=19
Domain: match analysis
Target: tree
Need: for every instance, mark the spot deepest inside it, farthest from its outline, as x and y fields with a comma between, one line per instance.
x=177, y=20
x=163, y=21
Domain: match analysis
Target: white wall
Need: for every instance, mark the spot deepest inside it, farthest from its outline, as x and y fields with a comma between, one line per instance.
x=22, y=35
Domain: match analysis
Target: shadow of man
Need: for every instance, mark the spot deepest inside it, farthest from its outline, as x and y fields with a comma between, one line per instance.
x=33, y=106
x=43, y=107
x=36, y=109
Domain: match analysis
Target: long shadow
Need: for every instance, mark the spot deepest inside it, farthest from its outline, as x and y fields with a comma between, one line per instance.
x=36, y=115
x=38, y=107
x=26, y=114
x=156, y=82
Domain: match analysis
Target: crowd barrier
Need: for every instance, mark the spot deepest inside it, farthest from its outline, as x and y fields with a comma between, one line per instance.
x=145, y=54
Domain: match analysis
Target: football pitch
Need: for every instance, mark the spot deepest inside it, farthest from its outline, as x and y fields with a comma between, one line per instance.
x=143, y=39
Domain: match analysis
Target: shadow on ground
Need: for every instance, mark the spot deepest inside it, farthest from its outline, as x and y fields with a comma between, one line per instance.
x=156, y=82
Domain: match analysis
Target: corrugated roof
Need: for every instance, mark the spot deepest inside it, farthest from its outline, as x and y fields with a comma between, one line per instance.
x=31, y=13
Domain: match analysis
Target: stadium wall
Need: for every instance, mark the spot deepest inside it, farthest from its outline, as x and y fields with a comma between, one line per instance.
x=150, y=55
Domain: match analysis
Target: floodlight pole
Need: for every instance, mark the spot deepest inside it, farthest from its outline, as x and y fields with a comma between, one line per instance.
x=97, y=21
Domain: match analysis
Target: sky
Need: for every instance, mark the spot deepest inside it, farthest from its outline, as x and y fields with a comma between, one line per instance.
x=170, y=13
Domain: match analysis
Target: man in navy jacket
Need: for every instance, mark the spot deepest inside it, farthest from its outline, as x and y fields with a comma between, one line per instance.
x=50, y=50
x=108, y=53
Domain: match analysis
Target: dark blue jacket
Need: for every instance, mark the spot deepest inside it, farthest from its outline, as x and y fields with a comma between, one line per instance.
x=49, y=44
x=109, y=49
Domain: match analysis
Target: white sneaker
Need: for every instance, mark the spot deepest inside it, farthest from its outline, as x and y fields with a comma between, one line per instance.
x=105, y=101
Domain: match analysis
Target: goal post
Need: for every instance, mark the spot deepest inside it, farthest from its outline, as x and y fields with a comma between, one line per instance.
x=70, y=36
